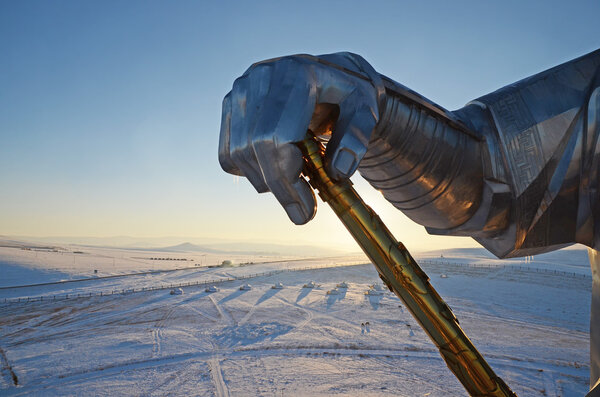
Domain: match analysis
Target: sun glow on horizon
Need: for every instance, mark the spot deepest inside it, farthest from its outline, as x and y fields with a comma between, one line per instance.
x=110, y=116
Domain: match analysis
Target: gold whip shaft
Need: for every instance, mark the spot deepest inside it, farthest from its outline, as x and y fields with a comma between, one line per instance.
x=404, y=277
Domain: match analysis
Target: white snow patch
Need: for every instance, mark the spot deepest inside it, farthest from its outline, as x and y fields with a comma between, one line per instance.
x=531, y=326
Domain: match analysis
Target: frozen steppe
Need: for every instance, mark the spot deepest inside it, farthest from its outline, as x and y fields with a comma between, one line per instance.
x=532, y=326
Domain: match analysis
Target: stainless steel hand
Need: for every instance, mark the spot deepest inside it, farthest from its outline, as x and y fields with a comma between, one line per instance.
x=272, y=105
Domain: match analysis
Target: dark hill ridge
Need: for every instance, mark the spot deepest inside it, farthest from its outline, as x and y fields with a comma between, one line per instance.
x=182, y=244
x=25, y=245
x=188, y=247
x=254, y=249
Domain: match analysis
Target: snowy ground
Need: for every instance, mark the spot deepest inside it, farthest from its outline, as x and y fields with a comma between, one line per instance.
x=27, y=264
x=532, y=327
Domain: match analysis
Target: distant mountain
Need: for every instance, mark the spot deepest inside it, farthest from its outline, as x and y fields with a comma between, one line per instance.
x=191, y=244
x=189, y=247
x=24, y=244
x=254, y=249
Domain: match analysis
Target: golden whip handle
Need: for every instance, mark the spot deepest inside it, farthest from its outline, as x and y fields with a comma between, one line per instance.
x=404, y=277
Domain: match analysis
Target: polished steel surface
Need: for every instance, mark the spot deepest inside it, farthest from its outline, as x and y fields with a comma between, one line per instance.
x=595, y=325
x=272, y=105
x=426, y=163
x=516, y=169
x=404, y=277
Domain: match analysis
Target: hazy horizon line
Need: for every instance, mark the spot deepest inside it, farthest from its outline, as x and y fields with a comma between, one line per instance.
x=168, y=241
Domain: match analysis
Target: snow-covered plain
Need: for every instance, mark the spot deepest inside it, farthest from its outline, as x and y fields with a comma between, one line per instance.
x=531, y=326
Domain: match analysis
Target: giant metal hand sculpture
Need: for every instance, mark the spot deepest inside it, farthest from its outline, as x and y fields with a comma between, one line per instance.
x=270, y=109
x=516, y=169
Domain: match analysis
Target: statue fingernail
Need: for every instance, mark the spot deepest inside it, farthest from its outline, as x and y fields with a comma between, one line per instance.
x=344, y=162
x=295, y=213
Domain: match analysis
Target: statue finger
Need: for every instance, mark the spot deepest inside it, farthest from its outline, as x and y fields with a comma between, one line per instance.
x=297, y=198
x=350, y=138
x=281, y=169
x=283, y=122
x=224, y=138
x=240, y=147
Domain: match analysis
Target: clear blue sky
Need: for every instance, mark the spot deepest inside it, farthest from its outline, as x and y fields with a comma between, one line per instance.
x=110, y=110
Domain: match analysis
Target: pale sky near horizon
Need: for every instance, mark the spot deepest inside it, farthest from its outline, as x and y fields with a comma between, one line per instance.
x=110, y=110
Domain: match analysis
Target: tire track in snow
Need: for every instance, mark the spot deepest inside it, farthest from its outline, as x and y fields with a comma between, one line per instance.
x=217, y=377
x=6, y=368
x=309, y=314
x=167, y=381
x=157, y=333
x=282, y=300
x=224, y=315
x=102, y=372
x=155, y=343
x=549, y=384
x=174, y=382
x=200, y=312
x=247, y=316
